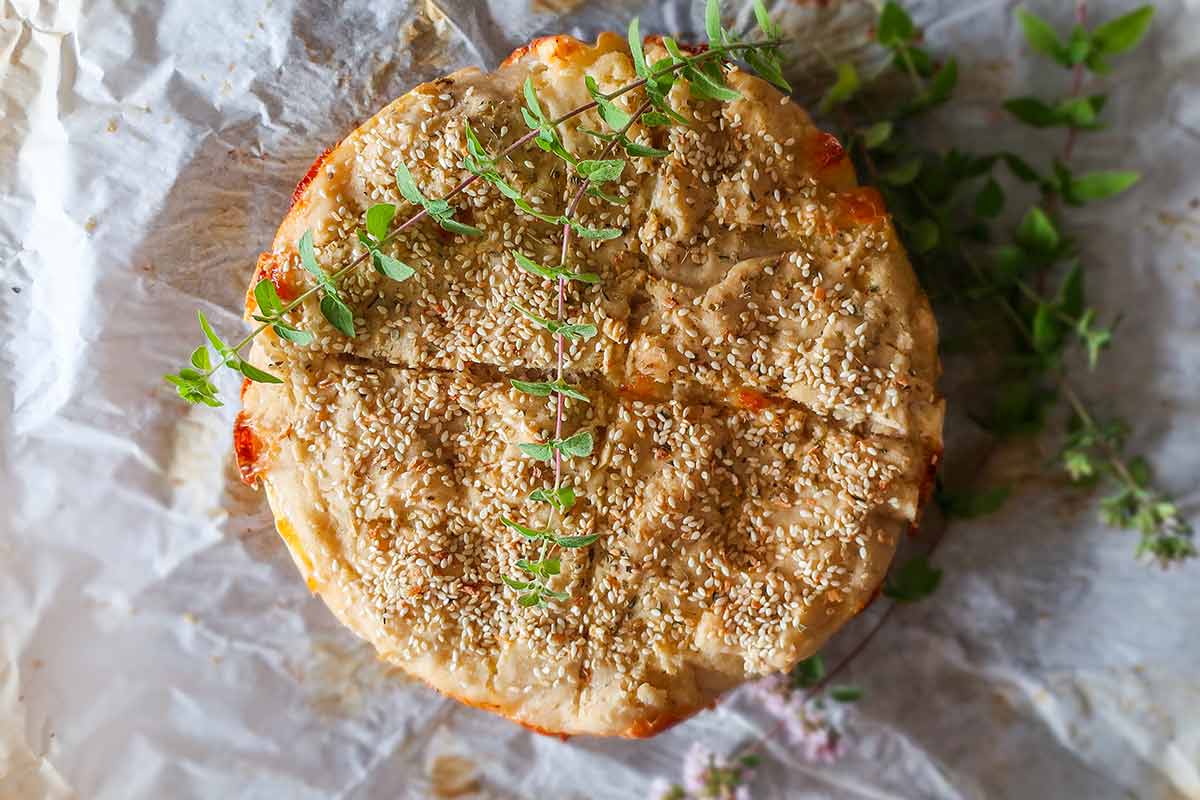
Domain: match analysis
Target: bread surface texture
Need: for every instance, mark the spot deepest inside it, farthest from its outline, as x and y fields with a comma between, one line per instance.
x=763, y=400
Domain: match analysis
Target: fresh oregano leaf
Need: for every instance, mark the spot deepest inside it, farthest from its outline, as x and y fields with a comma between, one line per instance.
x=200, y=358
x=338, y=314
x=968, y=504
x=257, y=375
x=1037, y=233
x=579, y=445
x=913, y=581
x=379, y=218
x=393, y=268
x=539, y=452
x=990, y=200
x=807, y=673
x=525, y=530
x=1041, y=37
x=572, y=542
x=842, y=90
x=562, y=499
x=895, y=26
x=1123, y=33
x=1100, y=185
x=602, y=171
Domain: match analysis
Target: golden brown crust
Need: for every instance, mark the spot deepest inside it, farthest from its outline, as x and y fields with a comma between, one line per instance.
x=763, y=401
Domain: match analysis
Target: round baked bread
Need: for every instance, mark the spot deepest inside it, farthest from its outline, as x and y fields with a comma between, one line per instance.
x=763, y=401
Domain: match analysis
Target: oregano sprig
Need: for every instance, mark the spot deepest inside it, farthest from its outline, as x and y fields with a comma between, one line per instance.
x=705, y=73
x=949, y=208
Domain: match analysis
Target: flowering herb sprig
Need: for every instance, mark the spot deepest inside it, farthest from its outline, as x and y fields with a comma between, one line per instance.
x=947, y=207
x=705, y=74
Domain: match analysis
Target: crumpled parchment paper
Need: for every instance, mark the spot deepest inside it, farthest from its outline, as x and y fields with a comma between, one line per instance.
x=155, y=640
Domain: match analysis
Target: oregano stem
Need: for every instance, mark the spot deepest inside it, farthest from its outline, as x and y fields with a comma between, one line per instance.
x=560, y=340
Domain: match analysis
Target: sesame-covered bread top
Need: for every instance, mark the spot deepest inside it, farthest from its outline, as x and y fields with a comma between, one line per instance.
x=763, y=400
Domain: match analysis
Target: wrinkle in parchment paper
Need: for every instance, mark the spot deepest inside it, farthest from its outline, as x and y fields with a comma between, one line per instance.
x=155, y=639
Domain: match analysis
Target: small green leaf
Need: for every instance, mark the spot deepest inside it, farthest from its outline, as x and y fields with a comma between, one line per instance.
x=895, y=26
x=639, y=150
x=572, y=542
x=768, y=65
x=308, y=255
x=408, y=186
x=1081, y=112
x=940, y=88
x=1032, y=111
x=536, y=389
x=1041, y=37
x=765, y=24
x=654, y=119
x=454, y=226
x=257, y=375
x=200, y=358
x=613, y=115
x=807, y=673
x=574, y=330
x=338, y=314
x=379, y=218
x=990, y=200
x=877, y=135
x=846, y=694
x=704, y=86
x=529, y=600
x=712, y=23
x=1019, y=408
x=578, y=445
x=601, y=171
x=1123, y=33
x=1095, y=340
x=294, y=335
x=538, y=452
x=546, y=388
x=1102, y=185
x=562, y=498
x=902, y=174
x=968, y=504
x=529, y=265
x=220, y=346
x=513, y=583
x=912, y=581
x=1070, y=293
x=393, y=268
x=844, y=88
x=553, y=595
x=1021, y=169
x=475, y=147
x=924, y=235
x=600, y=234
x=567, y=390
x=525, y=530
x=267, y=298
x=635, y=49
x=194, y=388
x=1047, y=334
x=595, y=191
x=1079, y=46
x=1037, y=233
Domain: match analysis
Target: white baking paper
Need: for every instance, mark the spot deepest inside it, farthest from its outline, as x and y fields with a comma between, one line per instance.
x=155, y=639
